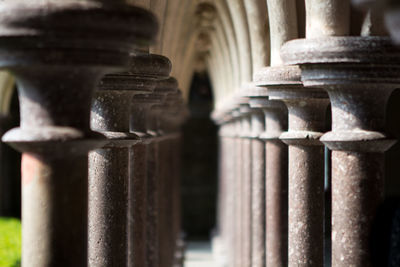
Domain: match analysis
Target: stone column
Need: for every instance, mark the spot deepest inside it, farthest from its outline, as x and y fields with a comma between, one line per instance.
x=306, y=112
x=237, y=205
x=180, y=244
x=152, y=243
x=176, y=118
x=154, y=182
x=276, y=182
x=257, y=188
x=57, y=64
x=227, y=195
x=109, y=178
x=140, y=109
x=166, y=178
x=168, y=118
x=224, y=214
x=109, y=167
x=246, y=183
x=359, y=73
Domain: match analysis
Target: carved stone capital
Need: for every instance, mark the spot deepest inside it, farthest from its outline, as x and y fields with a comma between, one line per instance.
x=359, y=74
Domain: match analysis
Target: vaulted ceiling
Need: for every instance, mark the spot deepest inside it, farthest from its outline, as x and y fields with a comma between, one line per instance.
x=233, y=39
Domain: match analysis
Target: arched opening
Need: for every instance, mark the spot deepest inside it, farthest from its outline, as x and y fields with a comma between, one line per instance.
x=199, y=168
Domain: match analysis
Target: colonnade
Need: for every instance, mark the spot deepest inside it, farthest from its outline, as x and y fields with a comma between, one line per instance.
x=99, y=133
x=101, y=117
x=272, y=192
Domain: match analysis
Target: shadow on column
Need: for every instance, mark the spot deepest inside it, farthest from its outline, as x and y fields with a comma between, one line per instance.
x=199, y=163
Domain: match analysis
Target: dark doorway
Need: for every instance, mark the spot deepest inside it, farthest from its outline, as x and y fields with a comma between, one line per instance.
x=199, y=162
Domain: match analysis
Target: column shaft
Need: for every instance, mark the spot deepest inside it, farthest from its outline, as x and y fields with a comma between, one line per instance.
x=137, y=206
x=55, y=188
x=108, y=206
x=357, y=192
x=359, y=74
x=246, y=186
x=258, y=203
x=152, y=241
x=277, y=203
x=306, y=198
x=306, y=181
x=238, y=198
x=257, y=190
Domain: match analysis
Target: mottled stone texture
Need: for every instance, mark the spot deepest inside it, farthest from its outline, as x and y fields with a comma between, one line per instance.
x=277, y=203
x=357, y=192
x=306, y=117
x=237, y=244
x=152, y=228
x=306, y=180
x=306, y=199
x=53, y=189
x=258, y=203
x=57, y=65
x=108, y=202
x=359, y=75
x=276, y=163
x=137, y=206
x=246, y=181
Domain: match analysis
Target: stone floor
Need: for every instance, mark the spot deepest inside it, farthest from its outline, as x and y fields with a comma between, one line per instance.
x=198, y=254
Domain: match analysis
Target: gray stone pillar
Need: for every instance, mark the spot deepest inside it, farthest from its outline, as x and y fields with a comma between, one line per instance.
x=109, y=179
x=57, y=64
x=237, y=205
x=109, y=167
x=257, y=188
x=359, y=73
x=276, y=165
x=276, y=179
x=246, y=184
x=223, y=239
x=154, y=253
x=140, y=113
x=306, y=112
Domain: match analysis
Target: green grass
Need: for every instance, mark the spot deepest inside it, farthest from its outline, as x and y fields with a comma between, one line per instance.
x=10, y=242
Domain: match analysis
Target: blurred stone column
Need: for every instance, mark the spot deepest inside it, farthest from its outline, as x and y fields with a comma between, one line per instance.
x=56, y=78
x=155, y=184
x=169, y=118
x=109, y=176
x=140, y=113
x=222, y=237
x=236, y=243
x=257, y=187
x=276, y=164
x=246, y=183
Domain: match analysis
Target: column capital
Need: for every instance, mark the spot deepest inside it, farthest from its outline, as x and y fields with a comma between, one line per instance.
x=275, y=113
x=72, y=32
x=58, y=51
x=245, y=112
x=306, y=106
x=111, y=109
x=359, y=74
